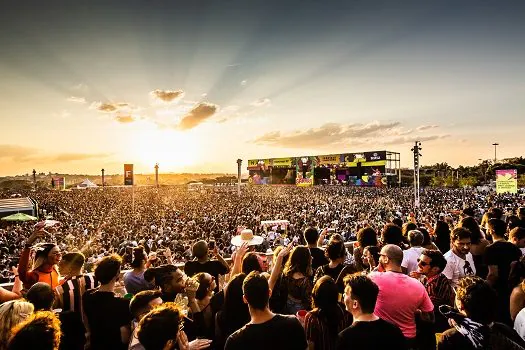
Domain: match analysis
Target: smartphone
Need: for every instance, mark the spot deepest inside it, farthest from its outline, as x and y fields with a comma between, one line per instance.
x=211, y=245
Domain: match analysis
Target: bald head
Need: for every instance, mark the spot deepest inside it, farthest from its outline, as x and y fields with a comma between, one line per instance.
x=393, y=253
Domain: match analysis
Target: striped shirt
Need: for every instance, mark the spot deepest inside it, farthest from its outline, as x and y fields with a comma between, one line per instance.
x=69, y=293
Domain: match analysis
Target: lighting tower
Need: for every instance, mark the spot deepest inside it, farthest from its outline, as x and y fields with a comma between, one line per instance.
x=415, y=150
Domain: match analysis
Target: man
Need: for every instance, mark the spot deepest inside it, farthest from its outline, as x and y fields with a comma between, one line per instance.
x=474, y=326
x=311, y=236
x=75, y=283
x=142, y=303
x=498, y=257
x=400, y=296
x=265, y=330
x=459, y=259
x=368, y=330
x=431, y=264
x=521, y=216
x=40, y=331
x=107, y=314
x=161, y=329
x=204, y=264
x=410, y=256
x=517, y=237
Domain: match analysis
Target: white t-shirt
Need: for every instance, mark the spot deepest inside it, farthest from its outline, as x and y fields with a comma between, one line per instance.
x=410, y=257
x=455, y=268
x=519, y=323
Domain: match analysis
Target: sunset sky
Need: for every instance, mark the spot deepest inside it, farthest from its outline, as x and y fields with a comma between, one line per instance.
x=196, y=84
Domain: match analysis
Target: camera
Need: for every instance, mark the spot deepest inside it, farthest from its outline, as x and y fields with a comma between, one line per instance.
x=211, y=245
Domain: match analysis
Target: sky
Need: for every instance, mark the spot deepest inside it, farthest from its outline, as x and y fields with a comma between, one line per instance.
x=195, y=85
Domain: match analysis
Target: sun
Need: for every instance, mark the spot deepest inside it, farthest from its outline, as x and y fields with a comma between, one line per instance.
x=173, y=150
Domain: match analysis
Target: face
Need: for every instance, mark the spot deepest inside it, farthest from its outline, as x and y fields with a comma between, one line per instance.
x=213, y=283
x=462, y=245
x=350, y=304
x=367, y=257
x=383, y=259
x=178, y=281
x=54, y=256
x=423, y=265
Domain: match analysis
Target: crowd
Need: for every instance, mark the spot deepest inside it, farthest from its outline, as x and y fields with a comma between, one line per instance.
x=448, y=274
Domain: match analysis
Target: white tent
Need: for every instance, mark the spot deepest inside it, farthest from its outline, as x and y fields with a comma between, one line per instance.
x=86, y=184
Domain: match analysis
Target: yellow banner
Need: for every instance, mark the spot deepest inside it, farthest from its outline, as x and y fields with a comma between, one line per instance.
x=255, y=162
x=331, y=159
x=376, y=163
x=507, y=181
x=282, y=162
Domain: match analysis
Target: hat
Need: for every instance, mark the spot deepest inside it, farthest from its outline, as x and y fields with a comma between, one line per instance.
x=246, y=236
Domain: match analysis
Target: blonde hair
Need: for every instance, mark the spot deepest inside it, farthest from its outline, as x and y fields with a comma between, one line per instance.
x=12, y=313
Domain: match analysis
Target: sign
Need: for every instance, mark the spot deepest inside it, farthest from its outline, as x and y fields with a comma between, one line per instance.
x=375, y=156
x=128, y=174
x=281, y=162
x=331, y=159
x=507, y=181
x=258, y=164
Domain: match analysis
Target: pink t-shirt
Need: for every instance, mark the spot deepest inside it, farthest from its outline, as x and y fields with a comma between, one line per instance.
x=399, y=298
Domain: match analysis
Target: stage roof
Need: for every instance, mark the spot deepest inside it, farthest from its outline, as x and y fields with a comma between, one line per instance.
x=14, y=205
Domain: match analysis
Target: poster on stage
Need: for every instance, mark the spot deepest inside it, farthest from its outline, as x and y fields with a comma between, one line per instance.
x=128, y=174
x=329, y=160
x=507, y=181
x=58, y=183
x=281, y=162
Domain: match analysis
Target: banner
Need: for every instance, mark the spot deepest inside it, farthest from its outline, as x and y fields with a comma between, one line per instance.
x=507, y=181
x=330, y=159
x=258, y=164
x=58, y=182
x=351, y=160
x=128, y=174
x=375, y=156
x=281, y=162
x=305, y=171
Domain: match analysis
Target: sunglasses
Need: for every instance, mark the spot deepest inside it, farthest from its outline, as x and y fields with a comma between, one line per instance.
x=422, y=263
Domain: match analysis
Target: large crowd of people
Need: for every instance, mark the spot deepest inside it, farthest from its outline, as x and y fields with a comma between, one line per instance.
x=327, y=267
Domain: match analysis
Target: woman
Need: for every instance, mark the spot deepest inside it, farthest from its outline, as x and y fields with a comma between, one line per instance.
x=297, y=275
x=427, y=241
x=370, y=258
x=280, y=290
x=11, y=314
x=234, y=313
x=134, y=280
x=479, y=243
x=327, y=318
x=336, y=253
x=365, y=237
x=204, y=295
x=47, y=256
x=442, y=236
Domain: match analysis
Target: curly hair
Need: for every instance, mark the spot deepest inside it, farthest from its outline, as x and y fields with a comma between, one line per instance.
x=40, y=331
x=159, y=326
x=478, y=299
x=11, y=314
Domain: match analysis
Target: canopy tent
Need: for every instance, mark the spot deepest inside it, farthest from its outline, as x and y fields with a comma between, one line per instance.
x=86, y=184
x=17, y=205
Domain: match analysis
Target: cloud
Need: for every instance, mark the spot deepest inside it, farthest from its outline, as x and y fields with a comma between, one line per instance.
x=17, y=152
x=412, y=139
x=426, y=127
x=233, y=65
x=124, y=119
x=197, y=115
x=327, y=134
x=76, y=99
x=81, y=86
x=261, y=102
x=70, y=157
x=244, y=82
x=105, y=107
x=166, y=96
x=64, y=114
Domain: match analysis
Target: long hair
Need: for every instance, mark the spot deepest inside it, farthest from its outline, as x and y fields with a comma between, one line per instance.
x=300, y=260
x=325, y=296
x=235, y=313
x=42, y=251
x=442, y=233
x=472, y=225
x=138, y=257
x=11, y=314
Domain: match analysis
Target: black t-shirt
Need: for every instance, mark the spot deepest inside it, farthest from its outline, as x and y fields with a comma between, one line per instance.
x=502, y=254
x=318, y=258
x=378, y=334
x=281, y=332
x=213, y=267
x=106, y=313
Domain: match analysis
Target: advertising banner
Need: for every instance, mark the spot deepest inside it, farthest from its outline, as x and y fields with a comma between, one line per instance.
x=507, y=181
x=375, y=156
x=58, y=182
x=330, y=159
x=128, y=174
x=258, y=164
x=281, y=162
x=305, y=171
x=366, y=159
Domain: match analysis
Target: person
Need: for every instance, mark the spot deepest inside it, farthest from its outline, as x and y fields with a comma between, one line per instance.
x=392, y=234
x=40, y=331
x=286, y=331
x=234, y=313
x=517, y=237
x=336, y=254
x=204, y=296
x=442, y=234
x=134, y=280
x=478, y=245
x=400, y=296
x=366, y=237
x=141, y=303
x=163, y=329
x=327, y=318
x=474, y=326
x=430, y=266
x=368, y=331
x=47, y=256
x=11, y=314
x=498, y=257
x=410, y=256
x=16, y=289
x=109, y=330
x=297, y=276
x=459, y=259
x=370, y=258
x=311, y=236
x=203, y=263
